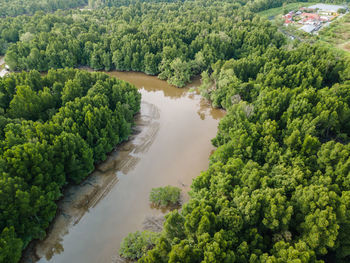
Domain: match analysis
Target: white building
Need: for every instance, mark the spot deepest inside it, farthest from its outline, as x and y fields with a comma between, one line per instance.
x=308, y=28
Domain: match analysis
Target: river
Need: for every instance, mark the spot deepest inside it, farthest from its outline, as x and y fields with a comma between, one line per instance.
x=3, y=71
x=170, y=146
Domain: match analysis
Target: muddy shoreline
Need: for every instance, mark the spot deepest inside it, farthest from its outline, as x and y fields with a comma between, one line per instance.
x=78, y=199
x=170, y=145
x=3, y=70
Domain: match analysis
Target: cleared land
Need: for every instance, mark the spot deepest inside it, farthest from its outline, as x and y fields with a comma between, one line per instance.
x=345, y=46
x=288, y=7
x=337, y=34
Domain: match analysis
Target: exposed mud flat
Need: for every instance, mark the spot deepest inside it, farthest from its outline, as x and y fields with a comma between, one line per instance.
x=78, y=199
x=170, y=146
x=3, y=70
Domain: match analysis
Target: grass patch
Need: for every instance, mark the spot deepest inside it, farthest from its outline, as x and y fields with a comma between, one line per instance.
x=341, y=52
x=288, y=7
x=337, y=33
x=346, y=46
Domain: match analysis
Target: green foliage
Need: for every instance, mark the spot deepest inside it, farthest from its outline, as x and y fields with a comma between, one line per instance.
x=175, y=40
x=282, y=5
x=10, y=246
x=53, y=129
x=19, y=7
x=135, y=245
x=336, y=34
x=285, y=8
x=342, y=11
x=277, y=186
x=165, y=196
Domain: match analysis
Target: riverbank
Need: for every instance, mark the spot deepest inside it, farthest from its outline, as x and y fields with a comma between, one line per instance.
x=3, y=70
x=78, y=199
x=170, y=145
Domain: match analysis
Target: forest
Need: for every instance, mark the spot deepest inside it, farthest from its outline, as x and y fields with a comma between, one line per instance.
x=277, y=189
x=174, y=41
x=53, y=129
x=278, y=185
x=29, y=7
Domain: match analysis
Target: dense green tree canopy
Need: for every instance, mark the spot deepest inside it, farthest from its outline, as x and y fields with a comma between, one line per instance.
x=277, y=187
x=53, y=129
x=175, y=40
x=19, y=7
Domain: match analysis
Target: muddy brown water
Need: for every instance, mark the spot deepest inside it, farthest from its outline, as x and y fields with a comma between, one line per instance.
x=2, y=69
x=170, y=146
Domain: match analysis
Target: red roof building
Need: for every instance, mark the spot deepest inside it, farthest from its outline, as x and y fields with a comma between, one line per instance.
x=310, y=16
x=288, y=18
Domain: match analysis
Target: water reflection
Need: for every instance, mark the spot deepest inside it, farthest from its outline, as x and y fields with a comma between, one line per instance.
x=79, y=199
x=170, y=146
x=3, y=70
x=153, y=84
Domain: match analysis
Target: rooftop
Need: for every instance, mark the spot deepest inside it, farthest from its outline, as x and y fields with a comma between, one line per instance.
x=325, y=7
x=308, y=28
x=313, y=16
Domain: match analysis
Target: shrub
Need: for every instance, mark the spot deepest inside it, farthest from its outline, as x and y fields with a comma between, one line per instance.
x=165, y=196
x=135, y=245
